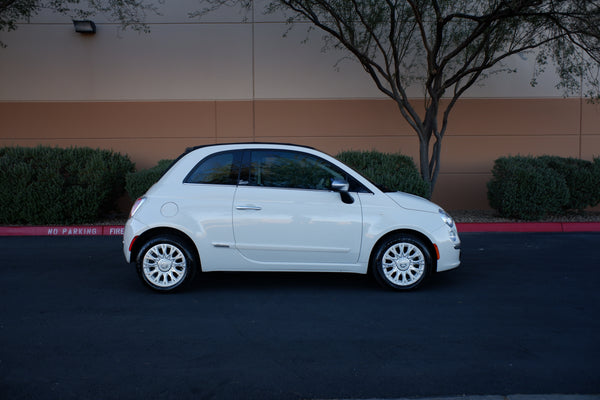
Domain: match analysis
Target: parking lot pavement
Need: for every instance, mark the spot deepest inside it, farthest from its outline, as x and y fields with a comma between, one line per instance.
x=520, y=315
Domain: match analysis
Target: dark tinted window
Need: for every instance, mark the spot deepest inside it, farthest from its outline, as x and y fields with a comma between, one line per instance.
x=221, y=168
x=290, y=169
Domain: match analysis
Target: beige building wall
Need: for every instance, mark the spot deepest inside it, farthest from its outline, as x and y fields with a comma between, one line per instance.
x=231, y=77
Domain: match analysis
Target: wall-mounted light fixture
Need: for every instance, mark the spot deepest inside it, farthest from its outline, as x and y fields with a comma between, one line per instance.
x=84, y=26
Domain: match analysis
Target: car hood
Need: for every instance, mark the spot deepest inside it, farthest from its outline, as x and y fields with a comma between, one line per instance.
x=412, y=202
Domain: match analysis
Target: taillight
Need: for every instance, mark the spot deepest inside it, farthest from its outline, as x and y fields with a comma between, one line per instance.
x=132, y=242
x=136, y=206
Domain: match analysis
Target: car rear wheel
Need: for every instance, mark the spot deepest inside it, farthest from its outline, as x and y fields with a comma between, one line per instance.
x=165, y=263
x=401, y=262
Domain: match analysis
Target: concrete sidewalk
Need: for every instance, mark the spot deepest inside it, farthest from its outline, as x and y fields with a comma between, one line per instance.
x=512, y=397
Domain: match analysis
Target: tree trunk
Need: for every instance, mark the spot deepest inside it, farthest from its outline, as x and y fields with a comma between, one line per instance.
x=424, y=163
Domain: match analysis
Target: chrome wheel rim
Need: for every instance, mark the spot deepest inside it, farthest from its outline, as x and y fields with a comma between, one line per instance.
x=164, y=265
x=403, y=264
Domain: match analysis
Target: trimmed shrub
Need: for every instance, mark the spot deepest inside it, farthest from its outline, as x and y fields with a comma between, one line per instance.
x=526, y=188
x=45, y=185
x=138, y=183
x=392, y=172
x=582, y=178
x=531, y=188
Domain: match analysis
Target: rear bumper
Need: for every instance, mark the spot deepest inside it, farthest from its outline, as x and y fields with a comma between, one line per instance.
x=132, y=230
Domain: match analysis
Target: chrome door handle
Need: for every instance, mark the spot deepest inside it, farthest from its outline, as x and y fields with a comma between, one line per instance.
x=248, y=208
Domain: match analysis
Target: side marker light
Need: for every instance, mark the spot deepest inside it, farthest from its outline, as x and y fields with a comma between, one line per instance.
x=437, y=251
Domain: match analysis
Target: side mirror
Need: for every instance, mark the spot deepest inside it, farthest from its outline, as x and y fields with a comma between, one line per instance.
x=341, y=186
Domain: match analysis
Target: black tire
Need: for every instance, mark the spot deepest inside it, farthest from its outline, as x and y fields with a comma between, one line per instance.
x=165, y=263
x=401, y=262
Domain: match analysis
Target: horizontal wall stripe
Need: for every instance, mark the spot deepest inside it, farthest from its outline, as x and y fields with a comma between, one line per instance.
x=480, y=132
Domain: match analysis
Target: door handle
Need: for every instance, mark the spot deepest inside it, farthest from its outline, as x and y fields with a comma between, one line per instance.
x=248, y=208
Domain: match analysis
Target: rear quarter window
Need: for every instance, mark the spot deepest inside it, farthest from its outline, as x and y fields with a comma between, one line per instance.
x=220, y=169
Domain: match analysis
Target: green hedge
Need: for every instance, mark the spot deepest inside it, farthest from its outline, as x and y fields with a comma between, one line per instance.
x=531, y=188
x=137, y=183
x=394, y=172
x=45, y=185
x=582, y=178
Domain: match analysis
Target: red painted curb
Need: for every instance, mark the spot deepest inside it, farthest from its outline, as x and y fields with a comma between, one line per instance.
x=528, y=227
x=582, y=227
x=509, y=227
x=463, y=227
x=87, y=230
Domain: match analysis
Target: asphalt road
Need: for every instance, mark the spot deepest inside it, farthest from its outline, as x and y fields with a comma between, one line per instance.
x=521, y=315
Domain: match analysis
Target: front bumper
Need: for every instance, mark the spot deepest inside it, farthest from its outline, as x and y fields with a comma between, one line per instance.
x=449, y=250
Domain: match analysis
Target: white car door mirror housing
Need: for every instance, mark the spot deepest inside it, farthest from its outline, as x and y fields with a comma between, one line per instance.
x=341, y=186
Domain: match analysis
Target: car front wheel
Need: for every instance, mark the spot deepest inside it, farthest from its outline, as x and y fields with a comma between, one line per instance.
x=165, y=263
x=401, y=262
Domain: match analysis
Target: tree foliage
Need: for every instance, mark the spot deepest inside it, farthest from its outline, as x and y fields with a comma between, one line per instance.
x=446, y=46
x=129, y=13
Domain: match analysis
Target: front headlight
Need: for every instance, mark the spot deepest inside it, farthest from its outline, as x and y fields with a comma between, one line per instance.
x=452, y=232
x=446, y=218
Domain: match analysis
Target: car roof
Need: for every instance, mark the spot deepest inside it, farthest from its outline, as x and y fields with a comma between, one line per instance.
x=204, y=146
x=190, y=149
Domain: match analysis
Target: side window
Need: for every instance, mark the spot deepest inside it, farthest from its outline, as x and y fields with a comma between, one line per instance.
x=290, y=169
x=220, y=168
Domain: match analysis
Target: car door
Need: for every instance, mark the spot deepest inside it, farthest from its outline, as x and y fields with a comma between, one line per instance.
x=286, y=213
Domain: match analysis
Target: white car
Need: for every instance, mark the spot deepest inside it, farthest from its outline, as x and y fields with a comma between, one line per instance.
x=279, y=207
